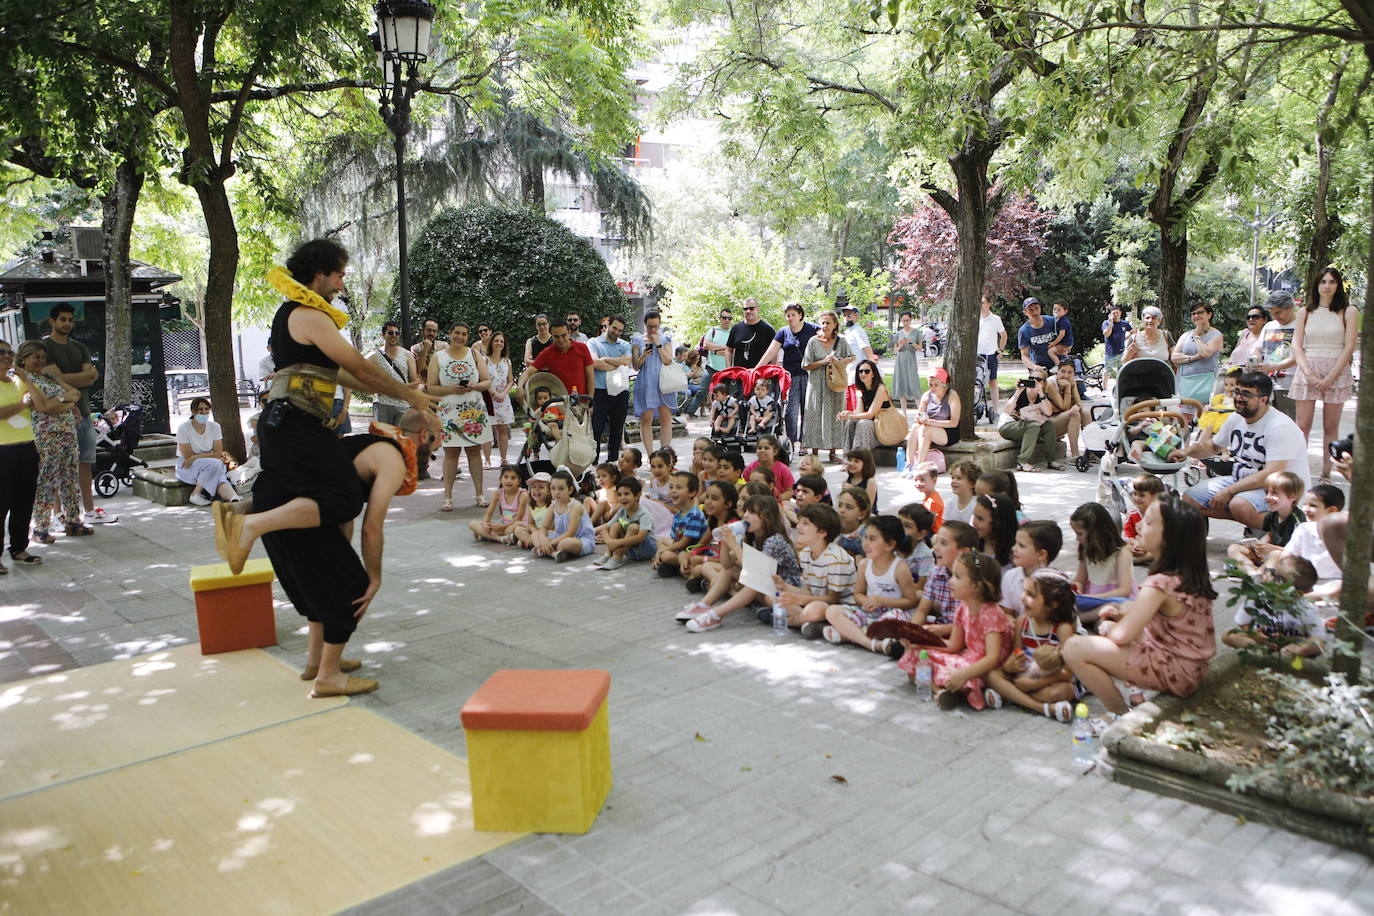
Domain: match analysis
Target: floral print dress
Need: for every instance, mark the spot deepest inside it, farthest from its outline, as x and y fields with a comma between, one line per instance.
x=992, y=618
x=55, y=437
x=463, y=416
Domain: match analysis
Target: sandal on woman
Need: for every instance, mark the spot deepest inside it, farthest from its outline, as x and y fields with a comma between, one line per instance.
x=1027, y=469
x=446, y=506
x=79, y=529
x=26, y=558
x=3, y=570
x=482, y=502
x=42, y=536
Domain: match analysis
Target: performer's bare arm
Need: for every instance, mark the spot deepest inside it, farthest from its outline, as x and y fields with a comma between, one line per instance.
x=390, y=474
x=310, y=326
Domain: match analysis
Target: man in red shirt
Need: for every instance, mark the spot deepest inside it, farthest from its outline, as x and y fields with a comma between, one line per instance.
x=568, y=359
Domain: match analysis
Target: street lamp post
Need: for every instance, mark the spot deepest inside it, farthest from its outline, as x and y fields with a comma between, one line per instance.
x=402, y=44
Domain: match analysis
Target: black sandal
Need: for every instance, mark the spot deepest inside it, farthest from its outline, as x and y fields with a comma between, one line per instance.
x=27, y=559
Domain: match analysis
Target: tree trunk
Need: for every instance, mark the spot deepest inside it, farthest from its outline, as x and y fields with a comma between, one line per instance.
x=217, y=309
x=1173, y=272
x=532, y=186
x=117, y=217
x=970, y=215
x=1360, y=530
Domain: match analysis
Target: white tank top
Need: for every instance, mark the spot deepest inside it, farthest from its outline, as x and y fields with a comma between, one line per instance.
x=885, y=585
x=1324, y=334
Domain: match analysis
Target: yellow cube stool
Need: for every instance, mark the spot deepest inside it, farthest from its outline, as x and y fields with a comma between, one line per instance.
x=234, y=612
x=539, y=750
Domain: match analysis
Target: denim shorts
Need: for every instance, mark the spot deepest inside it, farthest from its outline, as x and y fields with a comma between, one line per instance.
x=85, y=441
x=1202, y=493
x=644, y=550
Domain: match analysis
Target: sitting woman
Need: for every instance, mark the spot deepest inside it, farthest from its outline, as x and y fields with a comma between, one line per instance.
x=1028, y=422
x=937, y=421
x=1066, y=410
x=859, y=430
x=200, y=443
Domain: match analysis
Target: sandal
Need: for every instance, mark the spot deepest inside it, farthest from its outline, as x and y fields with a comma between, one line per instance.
x=3, y=570
x=992, y=698
x=446, y=506
x=79, y=529
x=42, y=536
x=482, y=502
x=1027, y=469
x=27, y=558
x=1063, y=711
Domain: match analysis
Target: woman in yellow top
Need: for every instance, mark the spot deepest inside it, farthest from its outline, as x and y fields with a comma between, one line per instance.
x=18, y=456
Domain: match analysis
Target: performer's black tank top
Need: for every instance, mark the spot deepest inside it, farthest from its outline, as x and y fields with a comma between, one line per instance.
x=354, y=446
x=286, y=351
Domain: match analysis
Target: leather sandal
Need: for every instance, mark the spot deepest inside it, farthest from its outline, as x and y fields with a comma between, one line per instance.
x=79, y=529
x=345, y=665
x=354, y=687
x=235, y=554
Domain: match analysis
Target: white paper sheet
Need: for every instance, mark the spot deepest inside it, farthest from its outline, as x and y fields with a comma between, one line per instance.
x=759, y=569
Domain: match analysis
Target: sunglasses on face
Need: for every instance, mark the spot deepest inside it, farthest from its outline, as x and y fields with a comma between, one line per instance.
x=1254, y=317
x=1244, y=394
x=392, y=333
x=865, y=371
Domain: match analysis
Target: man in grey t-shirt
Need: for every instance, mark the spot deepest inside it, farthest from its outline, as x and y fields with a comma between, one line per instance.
x=70, y=362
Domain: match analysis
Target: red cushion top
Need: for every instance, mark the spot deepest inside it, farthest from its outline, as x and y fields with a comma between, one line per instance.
x=523, y=699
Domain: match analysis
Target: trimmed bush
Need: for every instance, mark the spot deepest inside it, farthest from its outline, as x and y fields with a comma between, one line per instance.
x=503, y=267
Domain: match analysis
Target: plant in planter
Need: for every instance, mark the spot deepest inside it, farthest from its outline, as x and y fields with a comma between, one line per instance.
x=1282, y=619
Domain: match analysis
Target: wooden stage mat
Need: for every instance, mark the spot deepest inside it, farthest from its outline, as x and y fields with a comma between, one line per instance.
x=310, y=816
x=71, y=724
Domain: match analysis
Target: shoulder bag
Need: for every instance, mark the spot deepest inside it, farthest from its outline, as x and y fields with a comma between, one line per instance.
x=890, y=427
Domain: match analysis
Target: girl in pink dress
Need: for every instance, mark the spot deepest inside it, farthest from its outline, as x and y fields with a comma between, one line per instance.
x=981, y=638
x=1164, y=638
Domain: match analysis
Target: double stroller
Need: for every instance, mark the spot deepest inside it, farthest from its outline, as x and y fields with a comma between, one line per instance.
x=740, y=437
x=114, y=450
x=1146, y=424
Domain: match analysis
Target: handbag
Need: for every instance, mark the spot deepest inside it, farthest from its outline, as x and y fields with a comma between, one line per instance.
x=890, y=427
x=836, y=379
x=618, y=380
x=575, y=449
x=672, y=378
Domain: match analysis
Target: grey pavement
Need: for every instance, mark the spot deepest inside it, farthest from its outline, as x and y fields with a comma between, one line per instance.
x=957, y=811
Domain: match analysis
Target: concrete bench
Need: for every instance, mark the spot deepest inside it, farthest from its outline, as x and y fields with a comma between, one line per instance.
x=158, y=485
x=987, y=449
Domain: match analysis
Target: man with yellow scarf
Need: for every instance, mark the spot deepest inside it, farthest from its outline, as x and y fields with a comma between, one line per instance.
x=308, y=480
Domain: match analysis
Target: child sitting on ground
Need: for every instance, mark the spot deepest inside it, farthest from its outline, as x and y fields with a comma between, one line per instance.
x=1104, y=561
x=602, y=505
x=995, y=521
x=1282, y=490
x=629, y=535
x=884, y=590
x=1034, y=676
x=936, y=609
x=763, y=409
x=718, y=503
x=926, y=476
x=689, y=523
x=537, y=510
x=629, y=462
x=1290, y=631
x=861, y=469
x=768, y=454
x=699, y=447
x=980, y=639
x=809, y=490
x=730, y=467
x=765, y=531
x=1000, y=483
x=920, y=527
x=1321, y=501
x=1145, y=489
x=827, y=570
x=565, y=533
x=811, y=464
x=661, y=462
x=854, y=508
x=1036, y=545
x=963, y=479
x=724, y=412
x=508, y=509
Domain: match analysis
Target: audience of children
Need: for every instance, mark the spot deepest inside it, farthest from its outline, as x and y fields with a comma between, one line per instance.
x=1296, y=630
x=854, y=508
x=920, y=527
x=768, y=454
x=994, y=518
x=508, y=509
x=629, y=535
x=661, y=464
x=1034, y=676
x=1282, y=490
x=1322, y=501
x=566, y=532
x=766, y=532
x=926, y=475
x=718, y=505
x=828, y=571
x=689, y=523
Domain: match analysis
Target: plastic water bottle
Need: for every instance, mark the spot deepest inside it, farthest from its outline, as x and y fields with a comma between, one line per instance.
x=1082, y=736
x=901, y=457
x=779, y=615
x=925, y=678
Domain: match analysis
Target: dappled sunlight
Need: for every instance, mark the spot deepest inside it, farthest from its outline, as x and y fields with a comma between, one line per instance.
x=436, y=818
x=258, y=823
x=382, y=646
x=776, y=662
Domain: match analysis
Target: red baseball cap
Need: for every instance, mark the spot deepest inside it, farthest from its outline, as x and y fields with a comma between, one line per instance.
x=940, y=375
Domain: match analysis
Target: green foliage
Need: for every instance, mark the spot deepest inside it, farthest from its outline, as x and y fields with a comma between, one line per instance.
x=1072, y=271
x=503, y=267
x=1268, y=599
x=865, y=290
x=1226, y=285
x=724, y=269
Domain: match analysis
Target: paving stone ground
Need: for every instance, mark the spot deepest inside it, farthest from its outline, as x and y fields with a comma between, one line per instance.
x=961, y=812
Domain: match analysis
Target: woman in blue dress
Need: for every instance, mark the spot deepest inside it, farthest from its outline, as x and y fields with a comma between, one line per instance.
x=650, y=352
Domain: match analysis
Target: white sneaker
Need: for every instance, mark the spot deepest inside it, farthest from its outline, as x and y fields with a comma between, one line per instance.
x=707, y=620
x=613, y=563
x=99, y=516
x=197, y=499
x=690, y=611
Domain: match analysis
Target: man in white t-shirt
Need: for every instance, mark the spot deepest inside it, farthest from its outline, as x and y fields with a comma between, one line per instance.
x=1276, y=349
x=1261, y=441
x=856, y=336
x=992, y=338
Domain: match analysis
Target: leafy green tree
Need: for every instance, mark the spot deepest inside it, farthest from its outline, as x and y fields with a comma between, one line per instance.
x=503, y=267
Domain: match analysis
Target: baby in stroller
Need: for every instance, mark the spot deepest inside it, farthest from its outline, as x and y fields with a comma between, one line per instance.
x=764, y=415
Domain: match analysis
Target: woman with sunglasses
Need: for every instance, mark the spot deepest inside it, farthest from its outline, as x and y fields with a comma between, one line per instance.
x=18, y=456
x=859, y=431
x=1151, y=341
x=1248, y=344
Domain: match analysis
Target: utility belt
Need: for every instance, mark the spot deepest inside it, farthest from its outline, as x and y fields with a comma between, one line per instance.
x=306, y=387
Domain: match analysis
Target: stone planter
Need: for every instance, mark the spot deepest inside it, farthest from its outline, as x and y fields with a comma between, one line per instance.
x=1341, y=820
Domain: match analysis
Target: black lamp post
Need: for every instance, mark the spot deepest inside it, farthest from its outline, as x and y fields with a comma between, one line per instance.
x=402, y=44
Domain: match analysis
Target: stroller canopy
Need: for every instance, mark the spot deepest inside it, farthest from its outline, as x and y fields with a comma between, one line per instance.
x=1145, y=378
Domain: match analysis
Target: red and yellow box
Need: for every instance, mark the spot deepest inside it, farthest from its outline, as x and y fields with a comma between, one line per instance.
x=539, y=750
x=234, y=612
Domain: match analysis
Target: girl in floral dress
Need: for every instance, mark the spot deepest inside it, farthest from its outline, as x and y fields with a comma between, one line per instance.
x=1165, y=638
x=458, y=376
x=981, y=638
x=55, y=436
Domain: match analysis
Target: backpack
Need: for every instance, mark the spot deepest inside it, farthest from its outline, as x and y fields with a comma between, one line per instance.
x=576, y=449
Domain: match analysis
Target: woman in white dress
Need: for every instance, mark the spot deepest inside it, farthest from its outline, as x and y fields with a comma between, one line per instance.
x=502, y=412
x=458, y=376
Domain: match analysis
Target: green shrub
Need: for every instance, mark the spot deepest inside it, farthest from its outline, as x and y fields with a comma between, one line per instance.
x=503, y=267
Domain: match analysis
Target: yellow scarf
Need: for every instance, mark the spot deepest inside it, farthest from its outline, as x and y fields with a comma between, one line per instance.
x=288, y=286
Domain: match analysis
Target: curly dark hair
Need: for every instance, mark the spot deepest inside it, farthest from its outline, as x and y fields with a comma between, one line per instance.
x=315, y=257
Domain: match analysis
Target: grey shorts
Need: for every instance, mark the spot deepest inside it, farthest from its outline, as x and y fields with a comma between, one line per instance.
x=85, y=441
x=1202, y=493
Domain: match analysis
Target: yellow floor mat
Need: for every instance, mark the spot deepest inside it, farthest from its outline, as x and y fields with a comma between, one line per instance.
x=74, y=723
x=310, y=816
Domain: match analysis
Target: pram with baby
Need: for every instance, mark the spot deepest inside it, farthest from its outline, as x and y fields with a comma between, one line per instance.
x=114, y=450
x=1146, y=426
x=742, y=381
x=560, y=425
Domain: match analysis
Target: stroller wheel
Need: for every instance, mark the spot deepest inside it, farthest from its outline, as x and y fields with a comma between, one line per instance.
x=1082, y=464
x=106, y=484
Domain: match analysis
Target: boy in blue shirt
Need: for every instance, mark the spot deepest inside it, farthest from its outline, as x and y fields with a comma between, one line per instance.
x=1063, y=341
x=689, y=522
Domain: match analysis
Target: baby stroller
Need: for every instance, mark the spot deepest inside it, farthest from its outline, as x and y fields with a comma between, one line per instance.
x=742, y=382
x=561, y=424
x=114, y=452
x=1144, y=393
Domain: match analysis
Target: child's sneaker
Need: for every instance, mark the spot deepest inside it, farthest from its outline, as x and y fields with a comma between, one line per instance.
x=812, y=629
x=832, y=636
x=992, y=698
x=689, y=611
x=612, y=562
x=707, y=620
